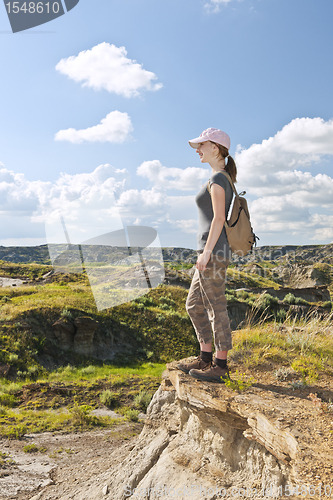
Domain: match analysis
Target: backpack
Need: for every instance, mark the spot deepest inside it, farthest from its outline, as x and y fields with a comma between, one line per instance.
x=241, y=237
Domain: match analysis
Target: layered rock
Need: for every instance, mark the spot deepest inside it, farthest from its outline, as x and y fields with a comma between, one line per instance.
x=84, y=337
x=64, y=331
x=78, y=335
x=204, y=441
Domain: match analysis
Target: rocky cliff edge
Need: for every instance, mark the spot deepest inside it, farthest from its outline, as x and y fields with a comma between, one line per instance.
x=205, y=441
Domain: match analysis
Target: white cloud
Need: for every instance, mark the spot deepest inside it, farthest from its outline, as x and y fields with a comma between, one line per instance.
x=106, y=67
x=299, y=144
x=134, y=202
x=289, y=204
x=92, y=193
x=92, y=204
x=214, y=5
x=287, y=199
x=186, y=179
x=115, y=127
x=186, y=225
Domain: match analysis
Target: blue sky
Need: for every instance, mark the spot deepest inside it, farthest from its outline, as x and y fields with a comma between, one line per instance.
x=97, y=107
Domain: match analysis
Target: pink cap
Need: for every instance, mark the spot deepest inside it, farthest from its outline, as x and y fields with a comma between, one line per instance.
x=214, y=135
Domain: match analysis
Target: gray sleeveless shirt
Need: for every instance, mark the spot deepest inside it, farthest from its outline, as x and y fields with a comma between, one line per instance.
x=205, y=208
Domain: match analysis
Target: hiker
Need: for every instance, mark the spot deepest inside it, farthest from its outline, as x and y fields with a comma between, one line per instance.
x=206, y=303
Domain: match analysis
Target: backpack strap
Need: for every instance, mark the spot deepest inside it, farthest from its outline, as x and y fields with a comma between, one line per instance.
x=230, y=181
x=233, y=188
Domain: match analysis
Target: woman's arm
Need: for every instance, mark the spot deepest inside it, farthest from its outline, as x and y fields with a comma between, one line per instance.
x=218, y=201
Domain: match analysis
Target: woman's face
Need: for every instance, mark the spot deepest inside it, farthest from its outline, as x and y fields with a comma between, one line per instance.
x=206, y=151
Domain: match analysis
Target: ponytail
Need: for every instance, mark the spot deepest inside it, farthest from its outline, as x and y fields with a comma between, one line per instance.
x=230, y=167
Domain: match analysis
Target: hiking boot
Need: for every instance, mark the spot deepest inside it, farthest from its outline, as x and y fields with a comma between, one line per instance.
x=197, y=364
x=212, y=373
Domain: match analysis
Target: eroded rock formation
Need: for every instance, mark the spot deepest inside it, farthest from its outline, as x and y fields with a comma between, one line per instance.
x=204, y=441
x=78, y=335
x=64, y=331
x=84, y=337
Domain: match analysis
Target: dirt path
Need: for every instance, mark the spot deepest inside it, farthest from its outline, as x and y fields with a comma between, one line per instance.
x=68, y=460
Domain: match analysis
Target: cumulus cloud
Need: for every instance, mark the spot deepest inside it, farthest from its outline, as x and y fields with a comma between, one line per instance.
x=186, y=225
x=277, y=173
x=87, y=200
x=186, y=179
x=115, y=127
x=106, y=67
x=288, y=202
x=299, y=144
x=90, y=204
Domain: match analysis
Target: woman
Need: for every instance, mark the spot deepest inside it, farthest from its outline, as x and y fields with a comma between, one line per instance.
x=206, y=302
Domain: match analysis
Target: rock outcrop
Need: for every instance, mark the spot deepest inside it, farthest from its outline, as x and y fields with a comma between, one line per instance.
x=64, y=331
x=78, y=335
x=205, y=441
x=84, y=337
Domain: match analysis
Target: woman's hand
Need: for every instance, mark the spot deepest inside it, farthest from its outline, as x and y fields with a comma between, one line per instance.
x=203, y=260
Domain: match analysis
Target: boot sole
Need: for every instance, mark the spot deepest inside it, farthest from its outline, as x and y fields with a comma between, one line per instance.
x=184, y=370
x=220, y=380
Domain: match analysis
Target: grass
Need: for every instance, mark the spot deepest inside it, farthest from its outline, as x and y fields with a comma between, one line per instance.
x=142, y=400
x=109, y=398
x=239, y=382
x=5, y=460
x=150, y=325
x=241, y=279
x=74, y=393
x=15, y=424
x=154, y=328
x=30, y=448
x=305, y=346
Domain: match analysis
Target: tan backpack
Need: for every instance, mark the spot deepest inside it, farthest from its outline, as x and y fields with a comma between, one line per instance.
x=241, y=237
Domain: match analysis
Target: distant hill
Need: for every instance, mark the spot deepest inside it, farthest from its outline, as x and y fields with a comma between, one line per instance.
x=305, y=253
x=25, y=255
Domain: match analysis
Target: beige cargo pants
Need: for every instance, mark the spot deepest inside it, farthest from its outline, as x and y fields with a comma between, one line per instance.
x=206, y=304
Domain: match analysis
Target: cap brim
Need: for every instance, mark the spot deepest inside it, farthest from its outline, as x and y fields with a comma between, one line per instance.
x=194, y=142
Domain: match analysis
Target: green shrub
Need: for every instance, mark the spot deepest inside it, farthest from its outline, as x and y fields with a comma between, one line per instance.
x=132, y=415
x=160, y=318
x=266, y=301
x=66, y=313
x=167, y=300
x=165, y=307
x=30, y=448
x=230, y=298
x=13, y=358
x=33, y=372
x=301, y=302
x=239, y=383
x=142, y=400
x=3, y=411
x=146, y=301
x=88, y=370
x=81, y=415
x=289, y=299
x=8, y=400
x=327, y=304
x=12, y=388
x=108, y=397
x=280, y=315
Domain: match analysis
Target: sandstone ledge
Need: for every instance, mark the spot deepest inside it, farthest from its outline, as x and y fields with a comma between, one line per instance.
x=203, y=439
